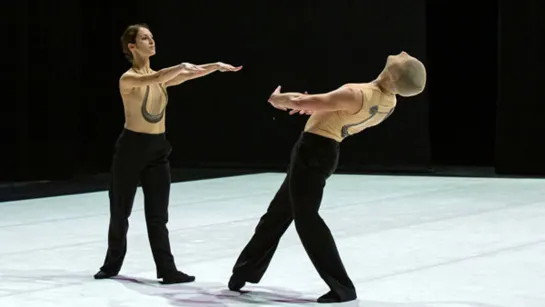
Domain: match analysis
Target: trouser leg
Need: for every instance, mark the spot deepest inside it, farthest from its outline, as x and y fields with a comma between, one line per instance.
x=308, y=175
x=124, y=182
x=257, y=255
x=156, y=181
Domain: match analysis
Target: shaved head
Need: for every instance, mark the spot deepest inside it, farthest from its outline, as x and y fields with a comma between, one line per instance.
x=409, y=77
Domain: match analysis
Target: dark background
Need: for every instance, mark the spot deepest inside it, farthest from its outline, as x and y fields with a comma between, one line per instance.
x=482, y=107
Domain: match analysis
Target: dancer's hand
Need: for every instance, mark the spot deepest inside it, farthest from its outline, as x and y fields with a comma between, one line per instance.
x=283, y=99
x=226, y=67
x=301, y=112
x=277, y=99
x=278, y=107
x=191, y=67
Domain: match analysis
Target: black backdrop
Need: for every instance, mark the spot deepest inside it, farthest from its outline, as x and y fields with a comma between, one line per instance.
x=520, y=137
x=462, y=55
x=71, y=112
x=64, y=62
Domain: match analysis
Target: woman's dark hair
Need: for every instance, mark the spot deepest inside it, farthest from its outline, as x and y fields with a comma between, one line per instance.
x=129, y=37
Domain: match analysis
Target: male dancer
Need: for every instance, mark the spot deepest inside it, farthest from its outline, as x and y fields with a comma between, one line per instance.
x=141, y=153
x=335, y=116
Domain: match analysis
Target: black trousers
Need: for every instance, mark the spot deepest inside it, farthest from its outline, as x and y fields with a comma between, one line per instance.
x=140, y=157
x=313, y=160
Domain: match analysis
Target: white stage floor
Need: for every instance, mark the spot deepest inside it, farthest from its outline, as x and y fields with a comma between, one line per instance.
x=406, y=242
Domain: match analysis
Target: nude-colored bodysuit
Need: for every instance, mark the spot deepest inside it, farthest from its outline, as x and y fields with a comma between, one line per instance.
x=337, y=125
x=145, y=109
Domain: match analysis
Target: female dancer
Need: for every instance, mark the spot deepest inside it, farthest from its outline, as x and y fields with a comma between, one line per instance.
x=142, y=151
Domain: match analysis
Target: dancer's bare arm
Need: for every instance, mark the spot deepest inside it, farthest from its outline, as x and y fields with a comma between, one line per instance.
x=132, y=79
x=206, y=69
x=343, y=98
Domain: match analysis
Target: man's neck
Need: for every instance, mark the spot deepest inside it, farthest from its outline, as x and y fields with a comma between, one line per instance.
x=384, y=84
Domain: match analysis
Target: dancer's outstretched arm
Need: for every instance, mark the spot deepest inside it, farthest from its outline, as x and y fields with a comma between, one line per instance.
x=206, y=69
x=343, y=98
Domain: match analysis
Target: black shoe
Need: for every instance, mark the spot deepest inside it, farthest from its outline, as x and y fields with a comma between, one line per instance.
x=176, y=278
x=332, y=297
x=104, y=275
x=235, y=283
